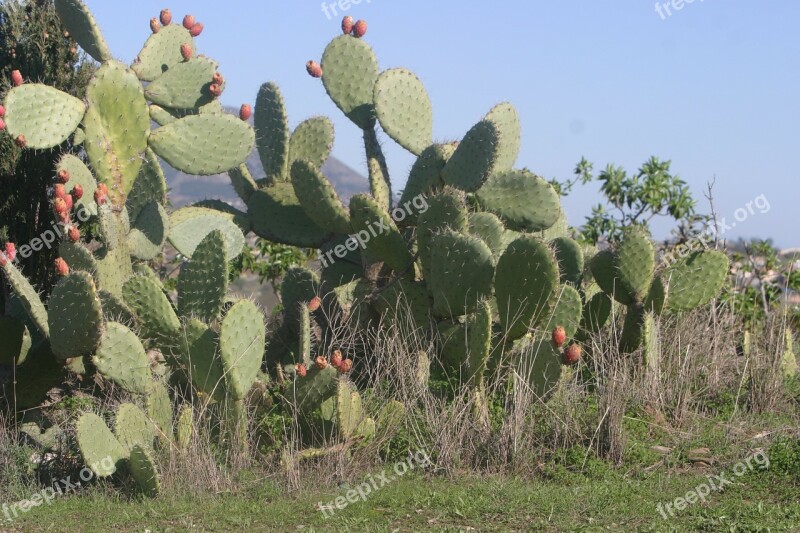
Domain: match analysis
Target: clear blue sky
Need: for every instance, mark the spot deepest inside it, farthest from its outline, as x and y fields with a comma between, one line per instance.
x=714, y=87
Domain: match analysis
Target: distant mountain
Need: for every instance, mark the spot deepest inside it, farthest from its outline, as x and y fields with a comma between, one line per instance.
x=185, y=189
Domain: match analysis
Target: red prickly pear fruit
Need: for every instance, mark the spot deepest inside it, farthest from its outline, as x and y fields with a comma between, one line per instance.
x=245, y=112
x=11, y=251
x=215, y=89
x=217, y=78
x=336, y=358
x=62, y=268
x=59, y=191
x=196, y=30
x=314, y=69
x=60, y=205
x=2, y=111
x=16, y=78
x=188, y=22
x=301, y=370
x=2, y=124
x=314, y=304
x=64, y=217
x=360, y=29
x=70, y=202
x=74, y=234
x=101, y=194
x=572, y=354
x=186, y=51
x=346, y=366
x=77, y=192
x=166, y=17
x=155, y=25
x=321, y=363
x=347, y=25
x=21, y=141
x=63, y=176
x=3, y=259
x=559, y=336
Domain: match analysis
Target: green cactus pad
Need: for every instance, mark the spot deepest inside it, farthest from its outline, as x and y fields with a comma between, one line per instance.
x=113, y=268
x=404, y=301
x=632, y=329
x=309, y=392
x=102, y=452
x=80, y=23
x=651, y=353
x=203, y=281
x=475, y=159
x=461, y=273
x=154, y=311
x=349, y=409
x=522, y=199
x=604, y=273
x=272, y=132
x=185, y=85
x=43, y=114
x=350, y=72
x=184, y=427
x=117, y=124
x=144, y=472
x=567, y=310
x=445, y=210
x=199, y=350
x=242, y=339
x=278, y=216
x=13, y=339
x=312, y=141
x=656, y=297
x=378, y=231
x=426, y=174
x=150, y=186
x=596, y=313
x=28, y=297
x=78, y=257
x=570, y=260
x=304, y=335
x=634, y=259
x=133, y=428
x=149, y=232
x=505, y=118
x=695, y=280
x=75, y=317
x=79, y=175
x=109, y=228
x=48, y=440
x=540, y=365
x=162, y=51
x=788, y=363
x=121, y=358
x=243, y=182
x=161, y=116
x=204, y=145
x=115, y=310
x=190, y=225
x=525, y=280
x=490, y=229
x=159, y=409
x=319, y=199
x=39, y=374
x=78, y=137
x=299, y=285
x=404, y=109
x=479, y=342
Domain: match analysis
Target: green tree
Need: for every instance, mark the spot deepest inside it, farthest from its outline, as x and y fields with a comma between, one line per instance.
x=33, y=41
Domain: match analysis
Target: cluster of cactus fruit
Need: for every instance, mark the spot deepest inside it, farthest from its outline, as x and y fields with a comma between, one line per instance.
x=485, y=262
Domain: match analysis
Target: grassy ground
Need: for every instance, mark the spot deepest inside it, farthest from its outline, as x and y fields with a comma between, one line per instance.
x=753, y=502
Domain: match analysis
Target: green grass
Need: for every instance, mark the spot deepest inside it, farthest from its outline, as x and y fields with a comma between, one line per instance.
x=757, y=502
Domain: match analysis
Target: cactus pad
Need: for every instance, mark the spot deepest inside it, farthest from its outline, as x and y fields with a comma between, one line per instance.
x=312, y=141
x=80, y=175
x=426, y=173
x=156, y=316
x=184, y=427
x=404, y=109
x=506, y=120
x=570, y=260
x=525, y=280
x=540, y=365
x=490, y=229
x=695, y=280
x=149, y=232
x=185, y=85
x=101, y=451
x=242, y=339
x=319, y=199
x=199, y=347
x=634, y=259
x=133, y=428
x=383, y=239
x=596, y=313
x=272, y=132
x=567, y=310
x=159, y=409
x=144, y=472
x=350, y=72
x=121, y=358
x=190, y=225
x=43, y=114
x=203, y=281
x=278, y=216
x=204, y=145
x=461, y=273
x=522, y=199
x=28, y=298
x=75, y=317
x=162, y=51
x=475, y=159
x=80, y=23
